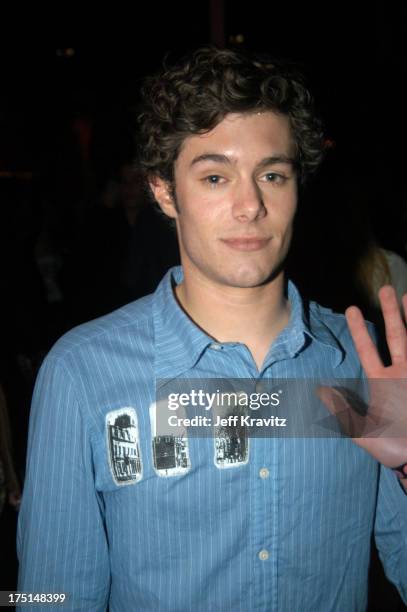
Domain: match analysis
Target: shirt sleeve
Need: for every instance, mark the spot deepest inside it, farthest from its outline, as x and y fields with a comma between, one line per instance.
x=391, y=529
x=61, y=542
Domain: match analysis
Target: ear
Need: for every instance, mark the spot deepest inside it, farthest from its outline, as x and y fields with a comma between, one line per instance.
x=162, y=194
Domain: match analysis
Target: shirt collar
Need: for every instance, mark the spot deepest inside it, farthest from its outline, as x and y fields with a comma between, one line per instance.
x=305, y=325
x=179, y=343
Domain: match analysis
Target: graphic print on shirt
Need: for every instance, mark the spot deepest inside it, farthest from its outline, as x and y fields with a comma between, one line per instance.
x=123, y=443
x=170, y=452
x=231, y=443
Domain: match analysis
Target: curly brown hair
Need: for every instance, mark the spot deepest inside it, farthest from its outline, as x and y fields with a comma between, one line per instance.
x=193, y=96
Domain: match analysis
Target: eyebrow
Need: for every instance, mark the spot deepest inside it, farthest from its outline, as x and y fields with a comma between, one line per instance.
x=214, y=157
x=277, y=159
x=224, y=159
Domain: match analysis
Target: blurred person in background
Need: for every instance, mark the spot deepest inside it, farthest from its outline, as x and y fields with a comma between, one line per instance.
x=123, y=249
x=336, y=258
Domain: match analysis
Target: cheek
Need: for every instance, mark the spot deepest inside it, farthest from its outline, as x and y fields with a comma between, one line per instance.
x=193, y=224
x=283, y=214
x=199, y=212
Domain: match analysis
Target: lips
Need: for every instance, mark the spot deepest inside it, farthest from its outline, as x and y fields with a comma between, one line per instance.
x=246, y=244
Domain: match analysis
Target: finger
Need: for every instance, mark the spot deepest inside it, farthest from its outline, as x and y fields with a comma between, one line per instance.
x=395, y=329
x=365, y=347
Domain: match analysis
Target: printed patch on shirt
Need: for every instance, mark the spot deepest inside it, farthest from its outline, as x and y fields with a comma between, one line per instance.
x=170, y=453
x=231, y=443
x=123, y=444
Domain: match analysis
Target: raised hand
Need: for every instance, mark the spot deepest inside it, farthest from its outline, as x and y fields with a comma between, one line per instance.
x=383, y=431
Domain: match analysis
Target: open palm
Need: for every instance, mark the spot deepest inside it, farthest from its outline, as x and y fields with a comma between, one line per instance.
x=383, y=431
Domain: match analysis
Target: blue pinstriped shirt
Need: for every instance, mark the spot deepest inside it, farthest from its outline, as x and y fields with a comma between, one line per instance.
x=287, y=530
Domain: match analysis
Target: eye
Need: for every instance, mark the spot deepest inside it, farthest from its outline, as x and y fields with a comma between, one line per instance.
x=213, y=180
x=274, y=177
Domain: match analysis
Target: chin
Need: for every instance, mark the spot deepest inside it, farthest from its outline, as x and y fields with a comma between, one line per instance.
x=248, y=278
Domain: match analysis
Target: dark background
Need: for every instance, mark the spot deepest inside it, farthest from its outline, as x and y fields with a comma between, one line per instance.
x=352, y=52
x=79, y=77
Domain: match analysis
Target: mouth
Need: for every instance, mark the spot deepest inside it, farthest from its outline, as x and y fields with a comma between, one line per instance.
x=246, y=244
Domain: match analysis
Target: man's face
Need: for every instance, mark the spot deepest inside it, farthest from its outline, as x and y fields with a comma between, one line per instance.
x=236, y=193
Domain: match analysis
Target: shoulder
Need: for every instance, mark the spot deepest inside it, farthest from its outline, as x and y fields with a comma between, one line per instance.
x=398, y=273
x=394, y=259
x=398, y=268
x=332, y=327
x=322, y=315
x=333, y=320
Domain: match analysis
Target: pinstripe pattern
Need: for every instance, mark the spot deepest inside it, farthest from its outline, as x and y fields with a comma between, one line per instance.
x=192, y=542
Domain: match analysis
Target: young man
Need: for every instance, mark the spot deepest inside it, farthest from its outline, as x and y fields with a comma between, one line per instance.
x=115, y=515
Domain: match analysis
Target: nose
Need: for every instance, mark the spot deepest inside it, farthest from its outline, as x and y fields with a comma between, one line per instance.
x=248, y=202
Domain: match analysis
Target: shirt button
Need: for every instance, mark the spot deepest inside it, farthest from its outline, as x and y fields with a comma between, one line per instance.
x=264, y=473
x=264, y=555
x=216, y=347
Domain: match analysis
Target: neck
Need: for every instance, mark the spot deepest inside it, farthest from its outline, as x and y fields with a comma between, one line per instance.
x=252, y=316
